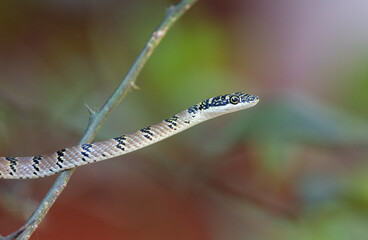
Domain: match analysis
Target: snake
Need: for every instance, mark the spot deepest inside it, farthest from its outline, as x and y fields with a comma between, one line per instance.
x=75, y=156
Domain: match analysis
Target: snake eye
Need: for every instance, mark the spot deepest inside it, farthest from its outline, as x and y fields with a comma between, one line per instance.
x=234, y=100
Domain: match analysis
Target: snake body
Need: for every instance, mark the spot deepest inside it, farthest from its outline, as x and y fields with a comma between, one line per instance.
x=46, y=165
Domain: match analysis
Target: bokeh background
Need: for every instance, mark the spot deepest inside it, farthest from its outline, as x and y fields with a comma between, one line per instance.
x=294, y=167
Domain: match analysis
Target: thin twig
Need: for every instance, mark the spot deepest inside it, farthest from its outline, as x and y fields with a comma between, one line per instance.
x=98, y=118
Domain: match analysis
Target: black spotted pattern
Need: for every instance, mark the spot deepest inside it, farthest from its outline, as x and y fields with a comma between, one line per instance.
x=36, y=160
x=86, y=149
x=12, y=164
x=173, y=122
x=147, y=133
x=120, y=140
x=60, y=157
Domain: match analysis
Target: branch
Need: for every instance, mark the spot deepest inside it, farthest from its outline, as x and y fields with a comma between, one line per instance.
x=98, y=118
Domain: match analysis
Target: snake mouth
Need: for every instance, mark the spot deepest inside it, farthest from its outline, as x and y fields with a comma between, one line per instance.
x=256, y=99
x=251, y=100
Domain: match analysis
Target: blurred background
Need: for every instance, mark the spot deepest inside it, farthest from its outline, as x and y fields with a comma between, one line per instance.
x=295, y=166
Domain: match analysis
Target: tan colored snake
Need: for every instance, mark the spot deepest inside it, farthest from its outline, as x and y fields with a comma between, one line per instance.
x=46, y=165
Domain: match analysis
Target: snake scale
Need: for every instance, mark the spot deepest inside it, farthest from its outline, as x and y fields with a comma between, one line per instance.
x=46, y=165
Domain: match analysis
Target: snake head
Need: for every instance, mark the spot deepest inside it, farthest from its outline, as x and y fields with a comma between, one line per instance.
x=223, y=104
